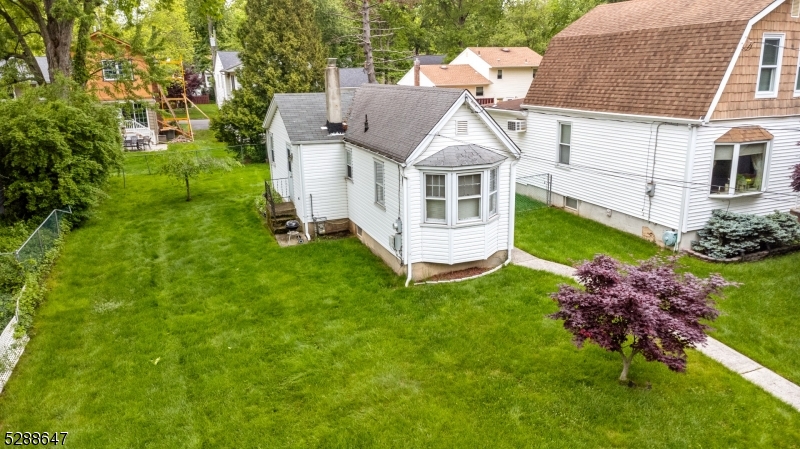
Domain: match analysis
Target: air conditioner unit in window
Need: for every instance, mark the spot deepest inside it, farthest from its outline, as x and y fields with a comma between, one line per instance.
x=517, y=125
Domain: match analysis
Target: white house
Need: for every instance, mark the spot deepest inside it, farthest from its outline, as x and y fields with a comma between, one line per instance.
x=423, y=176
x=226, y=64
x=491, y=74
x=694, y=106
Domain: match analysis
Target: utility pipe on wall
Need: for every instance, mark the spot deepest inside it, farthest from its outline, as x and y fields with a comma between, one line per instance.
x=406, y=228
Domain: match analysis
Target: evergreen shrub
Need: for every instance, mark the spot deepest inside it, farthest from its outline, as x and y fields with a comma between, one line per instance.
x=728, y=234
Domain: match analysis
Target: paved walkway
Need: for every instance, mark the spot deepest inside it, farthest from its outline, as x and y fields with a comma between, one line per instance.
x=200, y=124
x=734, y=361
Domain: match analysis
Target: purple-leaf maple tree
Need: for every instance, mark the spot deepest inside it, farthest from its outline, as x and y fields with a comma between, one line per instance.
x=796, y=178
x=646, y=309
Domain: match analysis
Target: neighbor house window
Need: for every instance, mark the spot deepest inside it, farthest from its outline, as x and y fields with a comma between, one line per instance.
x=770, y=68
x=462, y=128
x=492, y=192
x=564, y=142
x=114, y=70
x=271, y=143
x=738, y=168
x=534, y=71
x=499, y=74
x=380, y=189
x=349, y=162
x=435, y=198
x=795, y=8
x=797, y=79
x=469, y=197
x=479, y=91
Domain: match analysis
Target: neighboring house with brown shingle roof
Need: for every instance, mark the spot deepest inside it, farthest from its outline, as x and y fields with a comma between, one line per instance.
x=422, y=175
x=647, y=115
x=492, y=74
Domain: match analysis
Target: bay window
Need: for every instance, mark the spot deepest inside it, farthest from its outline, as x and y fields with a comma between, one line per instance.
x=460, y=197
x=738, y=168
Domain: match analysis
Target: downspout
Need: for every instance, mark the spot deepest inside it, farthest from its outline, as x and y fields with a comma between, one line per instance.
x=303, y=190
x=687, y=175
x=406, y=228
x=512, y=207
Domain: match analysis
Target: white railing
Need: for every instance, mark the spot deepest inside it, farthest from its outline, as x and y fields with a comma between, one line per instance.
x=11, y=348
x=133, y=124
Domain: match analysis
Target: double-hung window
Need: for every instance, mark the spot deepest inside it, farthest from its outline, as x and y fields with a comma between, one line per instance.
x=380, y=188
x=564, y=142
x=738, y=168
x=114, y=70
x=479, y=91
x=492, y=192
x=769, y=72
x=499, y=74
x=349, y=162
x=469, y=197
x=435, y=198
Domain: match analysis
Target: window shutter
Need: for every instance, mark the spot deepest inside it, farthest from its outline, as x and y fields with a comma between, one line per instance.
x=462, y=128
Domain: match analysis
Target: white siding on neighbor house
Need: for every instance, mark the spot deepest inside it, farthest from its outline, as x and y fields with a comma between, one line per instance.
x=783, y=154
x=462, y=244
x=408, y=79
x=324, y=174
x=375, y=220
x=611, y=162
x=515, y=82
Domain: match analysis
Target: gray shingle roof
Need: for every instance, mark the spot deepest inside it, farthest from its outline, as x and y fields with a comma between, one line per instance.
x=352, y=77
x=400, y=117
x=304, y=115
x=431, y=59
x=461, y=156
x=229, y=59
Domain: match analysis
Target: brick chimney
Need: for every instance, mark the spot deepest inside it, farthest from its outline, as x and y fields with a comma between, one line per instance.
x=333, y=98
x=416, y=71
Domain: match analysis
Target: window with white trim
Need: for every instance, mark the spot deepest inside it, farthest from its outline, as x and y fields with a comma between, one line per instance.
x=349, y=163
x=271, y=143
x=469, y=197
x=114, y=70
x=435, y=198
x=380, y=189
x=479, y=91
x=564, y=142
x=462, y=127
x=499, y=74
x=738, y=168
x=493, y=192
x=769, y=71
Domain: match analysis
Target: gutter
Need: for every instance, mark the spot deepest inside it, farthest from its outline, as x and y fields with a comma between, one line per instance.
x=630, y=117
x=687, y=175
x=303, y=190
x=406, y=228
x=518, y=114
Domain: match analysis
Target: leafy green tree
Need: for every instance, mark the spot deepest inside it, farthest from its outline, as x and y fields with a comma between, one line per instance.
x=461, y=23
x=58, y=145
x=184, y=166
x=283, y=52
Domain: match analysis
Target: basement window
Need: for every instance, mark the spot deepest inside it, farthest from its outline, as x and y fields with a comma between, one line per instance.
x=769, y=71
x=738, y=169
x=570, y=203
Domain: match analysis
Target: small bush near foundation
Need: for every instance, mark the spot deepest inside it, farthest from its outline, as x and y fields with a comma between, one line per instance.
x=728, y=234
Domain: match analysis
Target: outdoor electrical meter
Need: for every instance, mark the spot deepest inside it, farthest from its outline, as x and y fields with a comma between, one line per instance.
x=398, y=226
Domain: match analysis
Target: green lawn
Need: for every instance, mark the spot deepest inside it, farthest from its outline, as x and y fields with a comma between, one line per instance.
x=760, y=318
x=174, y=324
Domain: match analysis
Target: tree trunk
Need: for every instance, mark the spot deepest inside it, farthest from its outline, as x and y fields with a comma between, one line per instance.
x=80, y=71
x=369, y=64
x=626, y=365
x=188, y=195
x=57, y=45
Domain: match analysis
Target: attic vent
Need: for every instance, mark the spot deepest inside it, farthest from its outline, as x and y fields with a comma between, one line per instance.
x=505, y=50
x=462, y=128
x=517, y=125
x=795, y=8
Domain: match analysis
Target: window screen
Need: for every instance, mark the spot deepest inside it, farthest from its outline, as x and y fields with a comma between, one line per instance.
x=469, y=197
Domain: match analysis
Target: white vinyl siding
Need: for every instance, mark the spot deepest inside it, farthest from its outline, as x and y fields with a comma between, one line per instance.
x=613, y=165
x=769, y=71
x=324, y=185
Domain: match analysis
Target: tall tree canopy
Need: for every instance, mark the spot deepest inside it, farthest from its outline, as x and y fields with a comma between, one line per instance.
x=282, y=52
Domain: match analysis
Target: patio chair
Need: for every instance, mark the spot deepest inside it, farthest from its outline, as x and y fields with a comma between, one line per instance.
x=145, y=143
x=129, y=142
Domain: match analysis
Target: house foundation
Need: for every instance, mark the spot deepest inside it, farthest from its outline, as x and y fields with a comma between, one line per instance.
x=423, y=270
x=652, y=232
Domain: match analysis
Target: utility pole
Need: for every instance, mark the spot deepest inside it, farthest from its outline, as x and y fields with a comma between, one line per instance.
x=366, y=42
